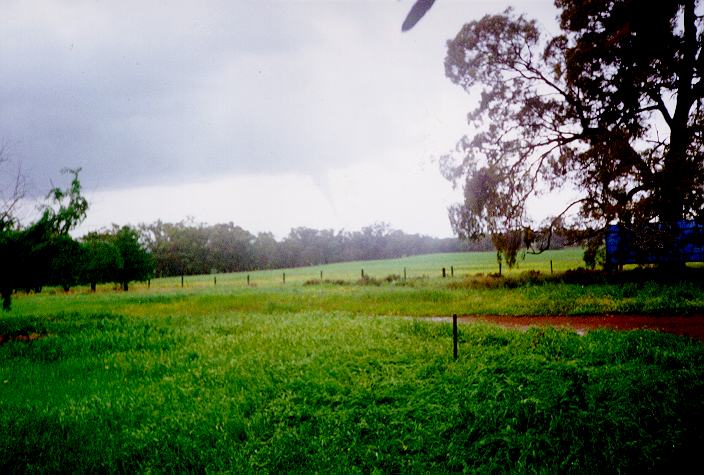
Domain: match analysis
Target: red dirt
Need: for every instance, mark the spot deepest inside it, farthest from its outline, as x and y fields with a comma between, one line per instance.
x=20, y=337
x=691, y=325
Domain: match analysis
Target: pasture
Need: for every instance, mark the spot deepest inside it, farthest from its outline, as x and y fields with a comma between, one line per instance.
x=347, y=377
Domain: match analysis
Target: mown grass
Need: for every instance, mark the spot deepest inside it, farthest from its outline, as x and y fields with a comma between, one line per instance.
x=323, y=378
x=334, y=392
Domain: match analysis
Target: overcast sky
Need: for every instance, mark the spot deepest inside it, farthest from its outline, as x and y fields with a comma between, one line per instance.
x=269, y=114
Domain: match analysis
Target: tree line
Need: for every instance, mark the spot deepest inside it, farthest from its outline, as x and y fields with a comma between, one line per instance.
x=45, y=254
x=187, y=248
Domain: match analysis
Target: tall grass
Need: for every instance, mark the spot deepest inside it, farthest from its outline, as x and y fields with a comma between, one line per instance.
x=335, y=392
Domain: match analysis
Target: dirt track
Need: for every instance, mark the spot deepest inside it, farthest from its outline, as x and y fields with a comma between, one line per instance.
x=691, y=325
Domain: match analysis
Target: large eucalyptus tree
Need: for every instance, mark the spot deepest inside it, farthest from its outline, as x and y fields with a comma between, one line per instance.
x=612, y=106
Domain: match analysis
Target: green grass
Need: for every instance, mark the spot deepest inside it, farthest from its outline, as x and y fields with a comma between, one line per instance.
x=325, y=378
x=421, y=298
x=335, y=392
x=425, y=266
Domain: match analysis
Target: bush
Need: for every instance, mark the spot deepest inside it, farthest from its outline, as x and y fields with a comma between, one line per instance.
x=326, y=281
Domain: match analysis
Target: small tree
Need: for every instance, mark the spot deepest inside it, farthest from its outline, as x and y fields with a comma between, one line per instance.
x=101, y=260
x=66, y=259
x=29, y=254
x=137, y=263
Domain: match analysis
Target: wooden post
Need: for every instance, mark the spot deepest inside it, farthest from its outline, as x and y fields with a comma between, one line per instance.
x=321, y=277
x=452, y=271
x=284, y=277
x=181, y=280
x=499, y=267
x=551, y=266
x=443, y=273
x=247, y=279
x=404, y=274
x=454, y=335
x=215, y=280
x=362, y=273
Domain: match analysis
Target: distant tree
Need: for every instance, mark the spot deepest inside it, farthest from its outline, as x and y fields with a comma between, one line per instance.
x=613, y=106
x=229, y=248
x=65, y=262
x=137, y=263
x=101, y=260
x=307, y=246
x=198, y=248
x=266, y=251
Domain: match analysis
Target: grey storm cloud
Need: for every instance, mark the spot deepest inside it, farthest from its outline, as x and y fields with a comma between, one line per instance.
x=139, y=92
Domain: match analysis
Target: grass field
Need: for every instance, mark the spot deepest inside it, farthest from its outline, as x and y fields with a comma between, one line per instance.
x=426, y=266
x=324, y=377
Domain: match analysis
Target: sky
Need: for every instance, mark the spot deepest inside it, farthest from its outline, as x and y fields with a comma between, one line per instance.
x=268, y=114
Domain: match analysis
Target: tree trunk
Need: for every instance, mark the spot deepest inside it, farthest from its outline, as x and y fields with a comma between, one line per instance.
x=6, y=299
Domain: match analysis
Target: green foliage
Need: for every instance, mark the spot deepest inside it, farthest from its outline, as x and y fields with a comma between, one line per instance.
x=186, y=248
x=609, y=106
x=65, y=208
x=115, y=256
x=43, y=253
x=65, y=264
x=101, y=260
x=137, y=263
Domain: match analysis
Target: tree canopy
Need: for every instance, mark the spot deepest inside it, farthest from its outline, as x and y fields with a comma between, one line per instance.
x=611, y=106
x=43, y=252
x=186, y=248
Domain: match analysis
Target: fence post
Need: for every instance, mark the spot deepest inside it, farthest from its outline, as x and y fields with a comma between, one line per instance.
x=443, y=273
x=284, y=278
x=404, y=274
x=550, y=266
x=362, y=273
x=247, y=279
x=454, y=335
x=452, y=271
x=181, y=280
x=215, y=280
x=321, y=277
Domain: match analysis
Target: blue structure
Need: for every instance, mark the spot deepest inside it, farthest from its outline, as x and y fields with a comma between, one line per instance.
x=645, y=245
